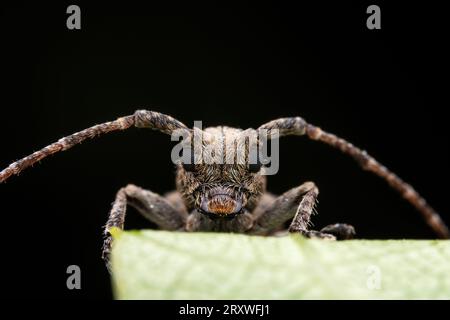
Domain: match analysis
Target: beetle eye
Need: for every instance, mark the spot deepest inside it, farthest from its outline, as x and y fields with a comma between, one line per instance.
x=254, y=167
x=190, y=166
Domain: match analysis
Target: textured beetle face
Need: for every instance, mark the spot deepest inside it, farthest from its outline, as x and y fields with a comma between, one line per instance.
x=220, y=189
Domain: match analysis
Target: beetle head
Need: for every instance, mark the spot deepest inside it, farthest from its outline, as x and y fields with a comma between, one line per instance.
x=217, y=176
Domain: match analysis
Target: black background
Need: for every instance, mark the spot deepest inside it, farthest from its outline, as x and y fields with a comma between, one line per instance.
x=238, y=66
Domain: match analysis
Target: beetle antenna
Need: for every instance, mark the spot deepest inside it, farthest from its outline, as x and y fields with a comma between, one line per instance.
x=298, y=126
x=141, y=119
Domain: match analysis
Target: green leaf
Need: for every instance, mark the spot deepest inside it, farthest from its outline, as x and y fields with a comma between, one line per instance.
x=173, y=265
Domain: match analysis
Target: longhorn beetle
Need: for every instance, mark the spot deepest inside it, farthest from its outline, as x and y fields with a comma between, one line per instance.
x=228, y=197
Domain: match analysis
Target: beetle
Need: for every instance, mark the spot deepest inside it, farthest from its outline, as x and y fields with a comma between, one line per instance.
x=228, y=197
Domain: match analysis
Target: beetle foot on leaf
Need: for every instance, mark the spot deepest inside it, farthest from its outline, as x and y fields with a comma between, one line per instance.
x=341, y=231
